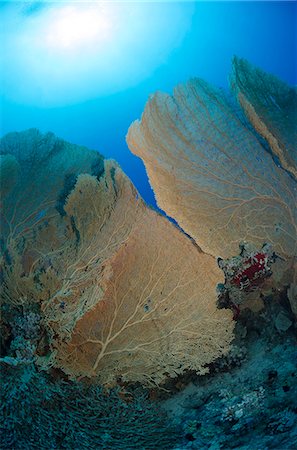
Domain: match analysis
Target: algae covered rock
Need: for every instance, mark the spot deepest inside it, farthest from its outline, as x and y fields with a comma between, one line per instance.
x=121, y=291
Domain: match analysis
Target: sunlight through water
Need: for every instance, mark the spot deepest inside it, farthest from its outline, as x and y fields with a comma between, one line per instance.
x=74, y=28
x=64, y=53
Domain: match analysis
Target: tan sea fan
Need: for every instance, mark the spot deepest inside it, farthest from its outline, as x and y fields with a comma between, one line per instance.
x=122, y=292
x=211, y=171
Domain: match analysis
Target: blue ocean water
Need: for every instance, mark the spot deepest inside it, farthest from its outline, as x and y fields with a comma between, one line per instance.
x=262, y=32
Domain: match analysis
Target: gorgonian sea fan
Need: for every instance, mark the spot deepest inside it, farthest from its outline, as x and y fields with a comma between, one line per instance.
x=213, y=172
x=122, y=292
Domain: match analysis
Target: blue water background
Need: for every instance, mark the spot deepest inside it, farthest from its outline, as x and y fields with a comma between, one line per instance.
x=263, y=32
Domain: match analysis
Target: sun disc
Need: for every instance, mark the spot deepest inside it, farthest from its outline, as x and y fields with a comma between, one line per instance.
x=75, y=27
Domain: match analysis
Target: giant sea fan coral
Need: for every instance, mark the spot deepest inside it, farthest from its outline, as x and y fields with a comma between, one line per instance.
x=158, y=315
x=212, y=172
x=271, y=106
x=122, y=292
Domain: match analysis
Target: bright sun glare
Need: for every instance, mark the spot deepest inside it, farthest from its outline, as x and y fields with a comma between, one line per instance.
x=65, y=53
x=74, y=27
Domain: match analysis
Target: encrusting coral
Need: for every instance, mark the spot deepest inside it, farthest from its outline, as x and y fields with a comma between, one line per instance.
x=120, y=290
x=245, y=274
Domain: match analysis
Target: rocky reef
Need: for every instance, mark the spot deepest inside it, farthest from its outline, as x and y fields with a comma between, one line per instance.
x=249, y=400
